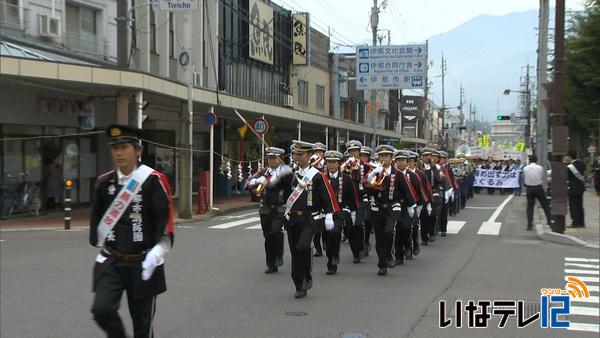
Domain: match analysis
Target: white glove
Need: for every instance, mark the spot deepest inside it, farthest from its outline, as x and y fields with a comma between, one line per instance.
x=428, y=209
x=329, y=222
x=154, y=258
x=447, y=195
x=396, y=207
x=353, y=217
x=378, y=170
x=411, y=211
x=261, y=180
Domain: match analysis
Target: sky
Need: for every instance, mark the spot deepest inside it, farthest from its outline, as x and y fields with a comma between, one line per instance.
x=409, y=21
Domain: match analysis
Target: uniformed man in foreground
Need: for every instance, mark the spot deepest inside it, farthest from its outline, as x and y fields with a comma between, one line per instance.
x=311, y=201
x=366, y=165
x=409, y=202
x=317, y=161
x=132, y=222
x=274, y=185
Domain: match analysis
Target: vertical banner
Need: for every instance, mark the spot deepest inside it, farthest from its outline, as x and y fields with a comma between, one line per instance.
x=480, y=142
x=486, y=140
x=300, y=36
x=260, y=32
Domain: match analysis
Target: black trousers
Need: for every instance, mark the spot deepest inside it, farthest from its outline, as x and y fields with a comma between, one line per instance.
x=533, y=193
x=116, y=279
x=415, y=229
x=272, y=225
x=444, y=215
x=356, y=236
x=427, y=224
x=384, y=224
x=576, y=209
x=300, y=234
x=402, y=235
x=317, y=241
x=333, y=238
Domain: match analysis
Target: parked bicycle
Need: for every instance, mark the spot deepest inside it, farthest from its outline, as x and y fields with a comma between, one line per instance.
x=20, y=195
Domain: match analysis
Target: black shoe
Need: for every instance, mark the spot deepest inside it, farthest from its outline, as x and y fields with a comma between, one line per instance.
x=356, y=260
x=271, y=269
x=425, y=243
x=432, y=238
x=300, y=294
x=331, y=270
x=382, y=271
x=416, y=249
x=335, y=260
x=279, y=261
x=529, y=228
x=443, y=234
x=391, y=263
x=399, y=261
x=308, y=285
x=318, y=253
x=407, y=254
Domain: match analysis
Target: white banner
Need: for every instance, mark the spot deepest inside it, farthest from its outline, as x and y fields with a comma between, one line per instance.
x=490, y=178
x=261, y=31
x=300, y=35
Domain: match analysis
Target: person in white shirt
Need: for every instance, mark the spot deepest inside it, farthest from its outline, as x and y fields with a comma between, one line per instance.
x=533, y=175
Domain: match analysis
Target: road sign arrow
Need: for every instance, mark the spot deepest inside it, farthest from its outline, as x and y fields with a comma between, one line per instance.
x=419, y=50
x=419, y=64
x=363, y=79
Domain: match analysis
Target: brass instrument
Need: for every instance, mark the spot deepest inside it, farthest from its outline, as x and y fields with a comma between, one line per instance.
x=263, y=172
x=315, y=161
x=350, y=167
x=377, y=181
x=262, y=186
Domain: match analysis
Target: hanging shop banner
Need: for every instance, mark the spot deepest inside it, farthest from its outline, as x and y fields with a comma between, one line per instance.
x=300, y=35
x=490, y=178
x=260, y=32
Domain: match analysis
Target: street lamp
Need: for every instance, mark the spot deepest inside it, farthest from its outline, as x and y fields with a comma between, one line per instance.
x=528, y=111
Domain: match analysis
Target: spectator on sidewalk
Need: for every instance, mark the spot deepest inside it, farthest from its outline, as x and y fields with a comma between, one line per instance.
x=533, y=176
x=596, y=173
x=576, y=181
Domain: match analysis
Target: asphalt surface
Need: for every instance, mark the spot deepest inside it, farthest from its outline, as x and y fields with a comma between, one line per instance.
x=217, y=288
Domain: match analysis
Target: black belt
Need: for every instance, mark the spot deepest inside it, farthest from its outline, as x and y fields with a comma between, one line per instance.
x=298, y=213
x=124, y=257
x=532, y=186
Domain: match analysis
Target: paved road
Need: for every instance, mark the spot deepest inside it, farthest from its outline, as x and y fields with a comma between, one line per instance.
x=217, y=287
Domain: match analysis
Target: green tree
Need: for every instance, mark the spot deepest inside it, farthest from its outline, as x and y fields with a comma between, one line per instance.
x=582, y=86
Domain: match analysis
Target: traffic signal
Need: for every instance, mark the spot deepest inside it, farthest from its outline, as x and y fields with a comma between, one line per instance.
x=503, y=117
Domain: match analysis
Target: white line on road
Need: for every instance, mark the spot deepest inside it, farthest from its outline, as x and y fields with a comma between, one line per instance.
x=254, y=227
x=491, y=227
x=584, y=272
x=481, y=208
x=590, y=299
x=585, y=311
x=584, y=327
x=586, y=279
x=1, y=240
x=587, y=266
x=584, y=260
x=455, y=226
x=239, y=216
x=235, y=223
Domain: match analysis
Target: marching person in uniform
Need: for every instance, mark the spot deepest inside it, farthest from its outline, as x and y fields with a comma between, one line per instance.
x=408, y=201
x=311, y=200
x=348, y=201
x=274, y=185
x=576, y=186
x=430, y=218
x=448, y=177
x=423, y=188
x=387, y=210
x=350, y=163
x=132, y=222
x=365, y=168
x=317, y=161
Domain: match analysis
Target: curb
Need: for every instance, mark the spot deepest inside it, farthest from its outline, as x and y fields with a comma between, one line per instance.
x=555, y=237
x=177, y=221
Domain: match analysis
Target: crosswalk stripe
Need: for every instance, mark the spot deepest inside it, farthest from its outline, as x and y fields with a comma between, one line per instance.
x=584, y=327
x=254, y=227
x=239, y=216
x=585, y=311
x=583, y=272
x=489, y=228
x=235, y=223
x=587, y=266
x=590, y=299
x=455, y=226
x=586, y=279
x=583, y=260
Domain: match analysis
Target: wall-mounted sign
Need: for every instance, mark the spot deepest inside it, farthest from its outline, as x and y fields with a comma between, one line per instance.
x=260, y=31
x=300, y=36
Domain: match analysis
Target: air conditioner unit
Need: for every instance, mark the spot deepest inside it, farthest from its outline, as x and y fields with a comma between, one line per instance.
x=288, y=101
x=49, y=26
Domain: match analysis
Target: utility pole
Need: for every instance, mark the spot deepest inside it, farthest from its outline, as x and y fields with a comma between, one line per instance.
x=560, y=132
x=542, y=78
x=374, y=112
x=443, y=109
x=426, y=126
x=460, y=108
x=528, y=110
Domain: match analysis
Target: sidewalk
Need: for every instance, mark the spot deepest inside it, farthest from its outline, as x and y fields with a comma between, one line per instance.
x=80, y=218
x=590, y=234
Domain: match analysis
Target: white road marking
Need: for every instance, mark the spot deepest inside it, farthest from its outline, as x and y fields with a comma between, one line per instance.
x=238, y=216
x=481, y=208
x=235, y=223
x=455, y=226
x=491, y=227
x=585, y=311
x=587, y=266
x=1, y=240
x=586, y=279
x=583, y=260
x=254, y=227
x=583, y=272
x=584, y=327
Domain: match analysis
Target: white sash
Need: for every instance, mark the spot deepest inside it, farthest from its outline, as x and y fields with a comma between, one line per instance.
x=121, y=202
x=299, y=189
x=576, y=172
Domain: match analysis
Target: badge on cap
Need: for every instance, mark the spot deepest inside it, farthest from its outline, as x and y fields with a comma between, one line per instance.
x=115, y=132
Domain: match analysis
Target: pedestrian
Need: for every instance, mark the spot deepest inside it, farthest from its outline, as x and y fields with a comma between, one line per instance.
x=596, y=173
x=309, y=209
x=533, y=176
x=576, y=182
x=274, y=185
x=132, y=222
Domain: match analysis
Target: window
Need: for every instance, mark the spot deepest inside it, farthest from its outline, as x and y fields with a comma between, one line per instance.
x=303, y=92
x=320, y=97
x=152, y=30
x=81, y=28
x=171, y=35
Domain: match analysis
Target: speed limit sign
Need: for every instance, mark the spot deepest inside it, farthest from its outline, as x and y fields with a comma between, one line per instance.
x=260, y=126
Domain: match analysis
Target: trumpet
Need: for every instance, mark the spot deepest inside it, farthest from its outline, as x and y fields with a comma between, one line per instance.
x=349, y=166
x=314, y=160
x=377, y=181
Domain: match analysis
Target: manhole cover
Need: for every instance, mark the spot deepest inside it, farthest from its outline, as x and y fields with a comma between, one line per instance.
x=296, y=313
x=353, y=335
